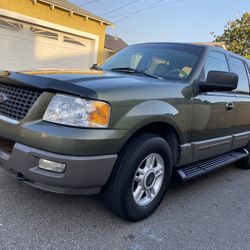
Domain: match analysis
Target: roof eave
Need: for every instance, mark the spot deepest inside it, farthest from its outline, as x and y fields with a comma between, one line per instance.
x=111, y=50
x=76, y=12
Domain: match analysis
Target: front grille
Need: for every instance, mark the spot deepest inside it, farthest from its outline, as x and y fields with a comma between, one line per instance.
x=6, y=145
x=19, y=101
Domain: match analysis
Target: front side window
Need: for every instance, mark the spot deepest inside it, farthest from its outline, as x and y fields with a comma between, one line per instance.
x=239, y=68
x=248, y=65
x=216, y=61
x=166, y=61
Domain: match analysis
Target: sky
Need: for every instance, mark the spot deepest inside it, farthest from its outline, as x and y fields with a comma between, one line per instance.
x=166, y=20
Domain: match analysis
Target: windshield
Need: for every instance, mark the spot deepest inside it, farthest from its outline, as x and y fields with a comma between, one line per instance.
x=165, y=61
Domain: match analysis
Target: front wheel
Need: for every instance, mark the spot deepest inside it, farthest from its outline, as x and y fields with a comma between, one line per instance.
x=140, y=179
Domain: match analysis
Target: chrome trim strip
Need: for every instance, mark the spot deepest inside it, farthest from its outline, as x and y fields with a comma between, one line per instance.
x=242, y=136
x=9, y=120
x=200, y=150
x=246, y=151
x=213, y=144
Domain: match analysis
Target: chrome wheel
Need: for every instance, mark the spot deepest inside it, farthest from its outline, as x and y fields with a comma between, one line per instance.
x=148, y=179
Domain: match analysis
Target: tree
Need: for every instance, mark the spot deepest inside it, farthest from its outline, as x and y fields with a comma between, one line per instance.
x=237, y=36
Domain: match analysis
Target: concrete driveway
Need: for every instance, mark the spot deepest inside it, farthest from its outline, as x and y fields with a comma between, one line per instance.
x=209, y=213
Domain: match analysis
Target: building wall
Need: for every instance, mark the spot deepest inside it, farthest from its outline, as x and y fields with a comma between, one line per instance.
x=108, y=53
x=58, y=16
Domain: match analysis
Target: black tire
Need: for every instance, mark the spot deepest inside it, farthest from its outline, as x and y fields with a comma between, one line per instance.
x=118, y=193
x=245, y=162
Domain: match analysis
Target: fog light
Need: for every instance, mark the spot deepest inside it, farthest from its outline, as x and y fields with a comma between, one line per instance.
x=52, y=166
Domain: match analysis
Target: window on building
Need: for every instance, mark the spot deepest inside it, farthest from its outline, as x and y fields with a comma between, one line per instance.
x=71, y=40
x=44, y=33
x=10, y=25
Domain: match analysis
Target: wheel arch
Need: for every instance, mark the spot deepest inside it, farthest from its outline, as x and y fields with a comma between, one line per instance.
x=164, y=130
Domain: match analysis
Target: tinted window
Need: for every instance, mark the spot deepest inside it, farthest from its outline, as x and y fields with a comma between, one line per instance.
x=168, y=61
x=155, y=62
x=248, y=64
x=216, y=61
x=239, y=68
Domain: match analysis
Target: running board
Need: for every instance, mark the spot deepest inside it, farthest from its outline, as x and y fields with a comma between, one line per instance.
x=201, y=168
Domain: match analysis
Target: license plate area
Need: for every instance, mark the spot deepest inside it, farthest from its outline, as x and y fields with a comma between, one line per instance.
x=6, y=146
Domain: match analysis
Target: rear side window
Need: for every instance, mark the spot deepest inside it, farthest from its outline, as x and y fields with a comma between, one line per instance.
x=239, y=68
x=216, y=61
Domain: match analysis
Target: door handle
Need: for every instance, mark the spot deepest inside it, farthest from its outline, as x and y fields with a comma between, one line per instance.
x=229, y=106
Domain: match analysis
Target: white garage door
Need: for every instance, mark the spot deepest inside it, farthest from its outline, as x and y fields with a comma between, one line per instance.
x=24, y=47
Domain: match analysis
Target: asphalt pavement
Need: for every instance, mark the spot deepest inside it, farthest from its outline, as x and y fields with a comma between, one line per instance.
x=212, y=212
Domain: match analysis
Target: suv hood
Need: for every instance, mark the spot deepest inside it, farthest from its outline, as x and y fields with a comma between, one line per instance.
x=81, y=83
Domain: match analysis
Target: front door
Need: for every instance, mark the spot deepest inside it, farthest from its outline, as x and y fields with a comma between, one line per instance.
x=214, y=114
x=242, y=129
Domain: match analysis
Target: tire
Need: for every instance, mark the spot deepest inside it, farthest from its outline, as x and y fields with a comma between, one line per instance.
x=245, y=162
x=120, y=194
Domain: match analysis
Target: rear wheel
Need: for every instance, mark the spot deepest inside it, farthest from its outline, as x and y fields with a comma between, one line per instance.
x=140, y=179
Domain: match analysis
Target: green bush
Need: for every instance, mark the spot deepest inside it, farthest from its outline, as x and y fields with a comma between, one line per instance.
x=237, y=35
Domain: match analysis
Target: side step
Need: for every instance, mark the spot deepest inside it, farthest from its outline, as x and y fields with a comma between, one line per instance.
x=201, y=168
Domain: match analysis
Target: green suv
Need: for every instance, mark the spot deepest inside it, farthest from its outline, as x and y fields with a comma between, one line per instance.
x=125, y=127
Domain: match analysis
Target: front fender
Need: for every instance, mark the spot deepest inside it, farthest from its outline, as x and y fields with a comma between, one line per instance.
x=149, y=112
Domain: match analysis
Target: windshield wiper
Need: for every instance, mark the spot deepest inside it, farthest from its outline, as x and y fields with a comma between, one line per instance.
x=95, y=67
x=135, y=71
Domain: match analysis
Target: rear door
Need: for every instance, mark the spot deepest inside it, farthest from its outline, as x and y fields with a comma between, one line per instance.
x=239, y=67
x=213, y=122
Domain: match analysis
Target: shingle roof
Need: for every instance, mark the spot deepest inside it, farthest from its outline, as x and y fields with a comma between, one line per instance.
x=114, y=43
x=64, y=4
x=214, y=44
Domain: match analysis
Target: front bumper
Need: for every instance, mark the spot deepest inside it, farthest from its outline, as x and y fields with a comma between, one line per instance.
x=83, y=175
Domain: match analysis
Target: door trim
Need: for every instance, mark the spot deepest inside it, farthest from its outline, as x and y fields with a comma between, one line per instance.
x=200, y=150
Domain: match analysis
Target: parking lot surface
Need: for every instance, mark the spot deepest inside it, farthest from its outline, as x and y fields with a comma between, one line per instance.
x=212, y=212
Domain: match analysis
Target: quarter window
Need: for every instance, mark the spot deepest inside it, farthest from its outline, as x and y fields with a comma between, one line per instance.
x=239, y=68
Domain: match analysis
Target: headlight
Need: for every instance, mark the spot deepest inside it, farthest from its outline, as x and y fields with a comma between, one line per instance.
x=78, y=112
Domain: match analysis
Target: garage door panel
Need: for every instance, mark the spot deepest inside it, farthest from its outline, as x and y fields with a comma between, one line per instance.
x=38, y=64
x=14, y=48
x=16, y=36
x=67, y=62
x=50, y=55
x=30, y=48
x=14, y=63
